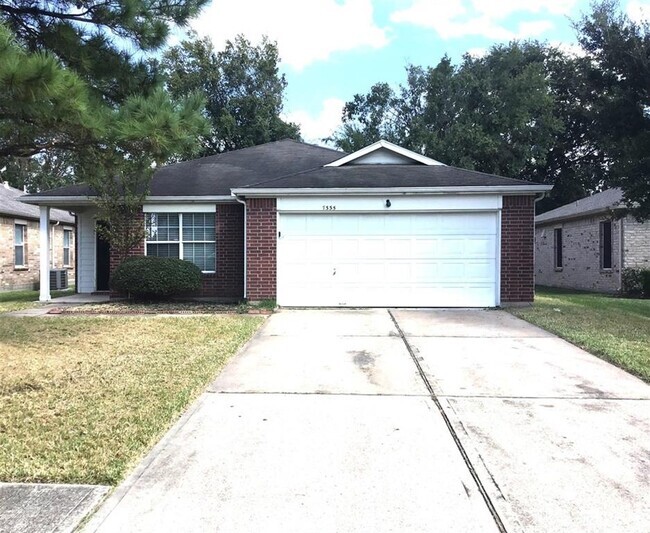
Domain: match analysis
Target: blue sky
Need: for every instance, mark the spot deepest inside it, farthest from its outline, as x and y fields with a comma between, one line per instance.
x=333, y=49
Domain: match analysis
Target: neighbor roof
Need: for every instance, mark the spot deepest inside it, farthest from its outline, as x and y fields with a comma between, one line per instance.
x=602, y=201
x=10, y=205
x=216, y=175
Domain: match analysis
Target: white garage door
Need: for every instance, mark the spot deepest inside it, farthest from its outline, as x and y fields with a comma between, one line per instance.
x=397, y=259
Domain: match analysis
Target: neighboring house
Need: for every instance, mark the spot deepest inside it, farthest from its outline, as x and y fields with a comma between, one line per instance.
x=310, y=226
x=587, y=244
x=19, y=242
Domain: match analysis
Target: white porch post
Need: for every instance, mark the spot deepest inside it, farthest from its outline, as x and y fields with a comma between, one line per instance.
x=45, y=254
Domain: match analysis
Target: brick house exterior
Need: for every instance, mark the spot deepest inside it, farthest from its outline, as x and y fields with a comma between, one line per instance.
x=310, y=226
x=25, y=276
x=584, y=244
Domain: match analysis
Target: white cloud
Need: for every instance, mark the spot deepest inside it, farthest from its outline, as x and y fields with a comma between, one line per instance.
x=477, y=53
x=459, y=18
x=306, y=31
x=571, y=49
x=314, y=128
x=638, y=11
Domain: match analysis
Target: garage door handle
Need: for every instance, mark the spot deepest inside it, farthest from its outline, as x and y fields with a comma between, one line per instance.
x=334, y=273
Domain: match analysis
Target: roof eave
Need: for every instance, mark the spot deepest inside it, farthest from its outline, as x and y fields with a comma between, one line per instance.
x=575, y=216
x=361, y=191
x=55, y=201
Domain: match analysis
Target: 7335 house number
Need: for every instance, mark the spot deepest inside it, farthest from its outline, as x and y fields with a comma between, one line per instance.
x=329, y=208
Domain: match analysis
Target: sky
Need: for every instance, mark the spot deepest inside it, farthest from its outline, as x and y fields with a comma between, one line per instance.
x=331, y=50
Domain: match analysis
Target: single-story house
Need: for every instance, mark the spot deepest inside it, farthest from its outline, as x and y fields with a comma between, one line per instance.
x=20, y=247
x=589, y=243
x=311, y=226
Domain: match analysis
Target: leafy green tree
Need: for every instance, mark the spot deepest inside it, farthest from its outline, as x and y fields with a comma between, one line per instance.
x=99, y=39
x=618, y=72
x=518, y=111
x=243, y=89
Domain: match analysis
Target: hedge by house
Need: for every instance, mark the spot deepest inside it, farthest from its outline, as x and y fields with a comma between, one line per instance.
x=149, y=277
x=636, y=282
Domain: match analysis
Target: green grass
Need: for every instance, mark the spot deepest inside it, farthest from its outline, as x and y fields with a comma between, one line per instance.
x=18, y=300
x=82, y=399
x=615, y=329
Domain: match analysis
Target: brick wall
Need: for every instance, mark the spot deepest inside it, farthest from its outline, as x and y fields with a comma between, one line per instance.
x=261, y=224
x=517, y=244
x=580, y=255
x=228, y=280
x=636, y=241
x=19, y=278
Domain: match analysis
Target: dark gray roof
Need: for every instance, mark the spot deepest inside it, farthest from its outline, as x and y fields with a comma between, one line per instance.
x=216, y=175
x=602, y=201
x=387, y=176
x=10, y=205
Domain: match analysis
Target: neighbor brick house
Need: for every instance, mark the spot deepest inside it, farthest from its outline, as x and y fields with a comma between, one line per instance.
x=20, y=252
x=589, y=243
x=311, y=226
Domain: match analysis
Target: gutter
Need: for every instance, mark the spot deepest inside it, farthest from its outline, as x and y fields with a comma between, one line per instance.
x=405, y=191
x=90, y=200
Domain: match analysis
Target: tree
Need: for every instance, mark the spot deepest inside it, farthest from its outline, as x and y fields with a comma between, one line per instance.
x=517, y=111
x=97, y=39
x=243, y=89
x=618, y=50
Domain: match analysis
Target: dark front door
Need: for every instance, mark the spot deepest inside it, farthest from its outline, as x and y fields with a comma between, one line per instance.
x=103, y=262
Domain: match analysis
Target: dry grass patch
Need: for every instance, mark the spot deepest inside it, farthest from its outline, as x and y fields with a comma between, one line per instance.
x=82, y=399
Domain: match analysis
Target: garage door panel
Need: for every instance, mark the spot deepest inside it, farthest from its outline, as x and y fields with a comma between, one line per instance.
x=397, y=259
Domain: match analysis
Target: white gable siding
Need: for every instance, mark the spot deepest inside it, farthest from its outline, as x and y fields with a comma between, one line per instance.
x=383, y=157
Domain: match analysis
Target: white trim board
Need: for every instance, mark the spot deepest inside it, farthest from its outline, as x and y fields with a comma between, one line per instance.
x=403, y=153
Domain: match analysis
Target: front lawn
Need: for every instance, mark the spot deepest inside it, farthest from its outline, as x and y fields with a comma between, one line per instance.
x=615, y=329
x=18, y=300
x=82, y=399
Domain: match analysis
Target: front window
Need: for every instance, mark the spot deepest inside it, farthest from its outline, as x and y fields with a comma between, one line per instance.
x=67, y=244
x=557, y=245
x=188, y=236
x=606, y=245
x=20, y=233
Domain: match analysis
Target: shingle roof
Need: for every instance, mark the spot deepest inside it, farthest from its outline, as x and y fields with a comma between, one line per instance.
x=387, y=176
x=602, y=201
x=10, y=205
x=215, y=175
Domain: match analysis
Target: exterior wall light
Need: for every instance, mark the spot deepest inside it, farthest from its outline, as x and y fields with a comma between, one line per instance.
x=387, y=203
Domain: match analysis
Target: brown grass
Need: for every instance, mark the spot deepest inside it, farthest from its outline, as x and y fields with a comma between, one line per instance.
x=82, y=399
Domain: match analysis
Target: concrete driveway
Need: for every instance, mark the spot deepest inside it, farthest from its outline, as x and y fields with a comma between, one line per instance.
x=370, y=420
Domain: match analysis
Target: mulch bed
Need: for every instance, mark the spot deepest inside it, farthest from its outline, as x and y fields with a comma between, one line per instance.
x=157, y=308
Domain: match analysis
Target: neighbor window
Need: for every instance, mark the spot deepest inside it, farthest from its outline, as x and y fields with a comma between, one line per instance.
x=557, y=245
x=189, y=236
x=67, y=243
x=606, y=244
x=20, y=234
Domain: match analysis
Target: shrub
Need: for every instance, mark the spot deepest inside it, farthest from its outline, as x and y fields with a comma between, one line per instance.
x=155, y=277
x=636, y=282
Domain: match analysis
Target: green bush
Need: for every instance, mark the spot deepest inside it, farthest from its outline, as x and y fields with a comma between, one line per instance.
x=636, y=282
x=155, y=277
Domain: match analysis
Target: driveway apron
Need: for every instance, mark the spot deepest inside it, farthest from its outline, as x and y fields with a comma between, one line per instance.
x=322, y=423
x=559, y=438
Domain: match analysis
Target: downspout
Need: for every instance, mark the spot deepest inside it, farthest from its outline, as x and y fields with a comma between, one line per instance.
x=243, y=202
x=621, y=250
x=538, y=197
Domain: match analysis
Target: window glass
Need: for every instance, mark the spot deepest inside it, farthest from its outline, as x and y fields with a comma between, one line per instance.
x=558, y=248
x=163, y=227
x=606, y=244
x=19, y=244
x=67, y=241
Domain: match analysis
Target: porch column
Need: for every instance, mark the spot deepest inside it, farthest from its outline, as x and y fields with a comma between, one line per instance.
x=45, y=254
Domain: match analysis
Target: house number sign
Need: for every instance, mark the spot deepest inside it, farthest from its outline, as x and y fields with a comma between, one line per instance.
x=329, y=208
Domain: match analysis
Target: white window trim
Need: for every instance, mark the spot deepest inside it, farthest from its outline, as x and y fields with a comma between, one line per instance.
x=69, y=262
x=180, y=241
x=23, y=245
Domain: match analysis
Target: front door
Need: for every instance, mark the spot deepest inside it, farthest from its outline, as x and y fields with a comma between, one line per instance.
x=103, y=263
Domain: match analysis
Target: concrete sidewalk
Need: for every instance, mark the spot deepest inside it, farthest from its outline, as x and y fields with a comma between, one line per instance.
x=46, y=508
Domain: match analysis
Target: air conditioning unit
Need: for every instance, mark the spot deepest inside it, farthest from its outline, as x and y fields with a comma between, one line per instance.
x=58, y=279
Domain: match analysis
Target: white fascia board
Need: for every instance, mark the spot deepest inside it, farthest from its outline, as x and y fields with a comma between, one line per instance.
x=505, y=189
x=387, y=146
x=90, y=200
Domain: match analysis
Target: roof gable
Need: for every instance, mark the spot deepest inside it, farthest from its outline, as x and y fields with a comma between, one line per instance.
x=384, y=153
x=599, y=202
